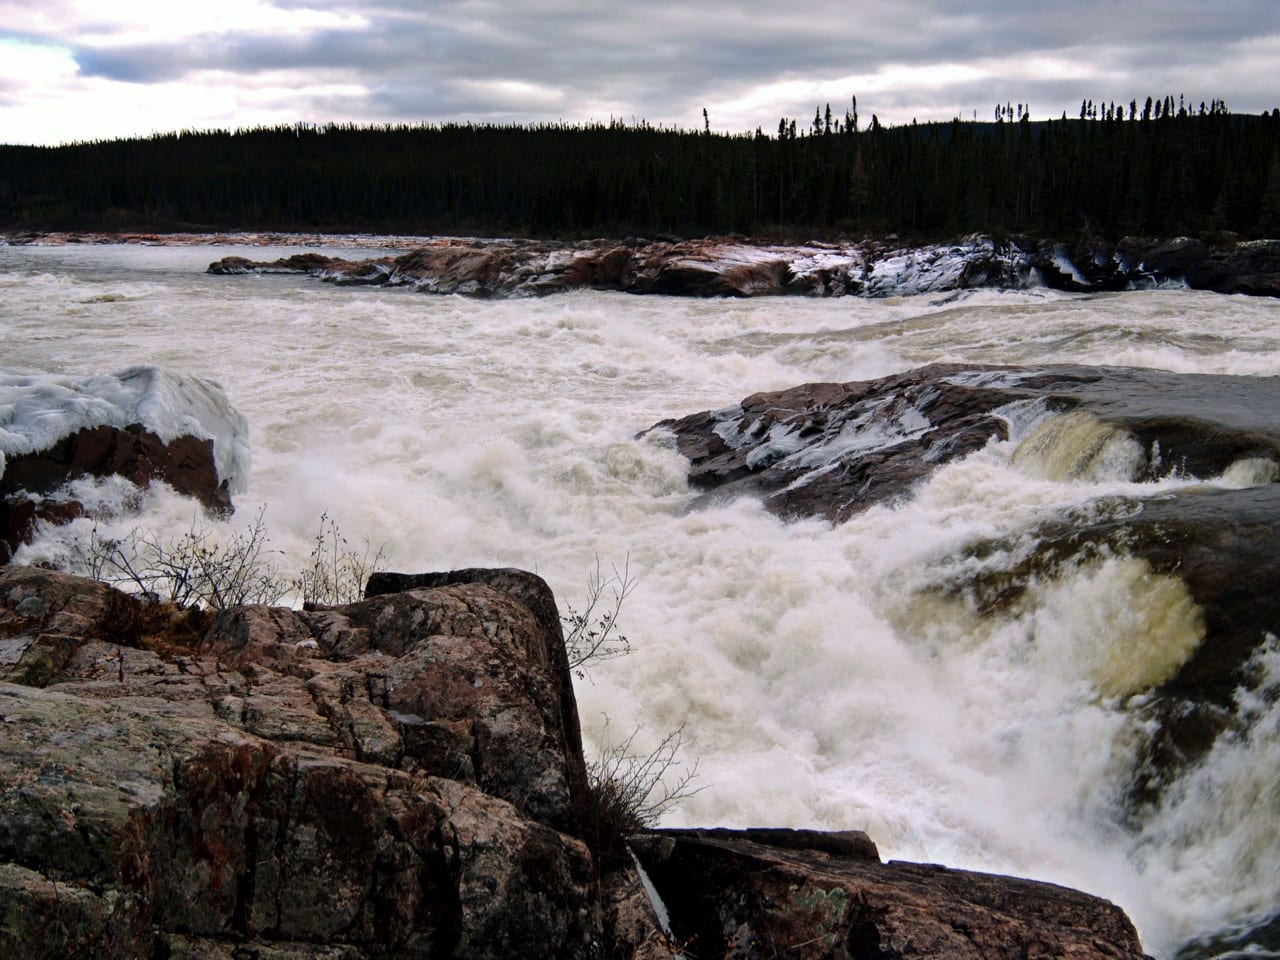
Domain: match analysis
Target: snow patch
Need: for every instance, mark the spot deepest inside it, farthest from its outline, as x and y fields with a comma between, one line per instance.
x=38, y=409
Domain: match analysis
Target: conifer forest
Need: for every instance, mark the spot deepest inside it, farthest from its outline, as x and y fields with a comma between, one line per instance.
x=1160, y=168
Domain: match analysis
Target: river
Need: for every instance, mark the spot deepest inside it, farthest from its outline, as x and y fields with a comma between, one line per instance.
x=815, y=685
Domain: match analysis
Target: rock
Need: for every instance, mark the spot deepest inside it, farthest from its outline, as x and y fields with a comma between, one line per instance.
x=834, y=449
x=796, y=448
x=1249, y=268
x=734, y=267
x=1220, y=546
x=253, y=777
x=31, y=482
x=632, y=927
x=763, y=894
x=143, y=424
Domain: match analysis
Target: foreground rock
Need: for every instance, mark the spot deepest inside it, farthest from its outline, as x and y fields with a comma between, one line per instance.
x=387, y=779
x=730, y=267
x=400, y=777
x=775, y=893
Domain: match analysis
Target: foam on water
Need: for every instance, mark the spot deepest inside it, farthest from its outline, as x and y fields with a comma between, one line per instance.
x=822, y=676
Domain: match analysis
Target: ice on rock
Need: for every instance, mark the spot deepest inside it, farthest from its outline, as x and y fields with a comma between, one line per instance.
x=37, y=409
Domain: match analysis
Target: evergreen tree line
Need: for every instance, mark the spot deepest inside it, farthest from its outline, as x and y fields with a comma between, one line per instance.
x=1147, y=170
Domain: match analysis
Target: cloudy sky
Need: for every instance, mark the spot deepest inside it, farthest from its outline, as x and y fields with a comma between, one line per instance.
x=89, y=69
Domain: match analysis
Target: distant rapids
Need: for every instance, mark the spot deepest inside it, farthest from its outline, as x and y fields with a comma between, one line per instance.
x=832, y=676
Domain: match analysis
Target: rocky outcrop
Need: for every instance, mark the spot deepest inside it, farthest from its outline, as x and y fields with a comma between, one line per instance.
x=1222, y=266
x=751, y=893
x=392, y=778
x=734, y=267
x=834, y=449
x=30, y=483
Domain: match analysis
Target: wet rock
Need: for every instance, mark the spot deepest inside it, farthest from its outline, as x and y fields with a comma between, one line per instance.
x=832, y=450
x=735, y=267
x=1220, y=545
x=1249, y=268
x=799, y=449
x=31, y=482
x=751, y=893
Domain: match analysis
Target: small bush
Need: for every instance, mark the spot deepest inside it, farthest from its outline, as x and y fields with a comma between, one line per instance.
x=592, y=633
x=337, y=573
x=191, y=569
x=194, y=570
x=628, y=792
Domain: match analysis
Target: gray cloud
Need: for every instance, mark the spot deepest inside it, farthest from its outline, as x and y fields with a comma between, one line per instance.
x=521, y=60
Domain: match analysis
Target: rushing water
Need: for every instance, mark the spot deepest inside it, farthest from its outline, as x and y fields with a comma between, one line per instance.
x=816, y=684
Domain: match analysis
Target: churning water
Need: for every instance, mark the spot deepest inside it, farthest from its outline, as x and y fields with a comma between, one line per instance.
x=820, y=680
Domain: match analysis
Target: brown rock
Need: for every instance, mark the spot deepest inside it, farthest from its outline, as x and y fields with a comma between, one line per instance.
x=30, y=483
x=751, y=894
x=254, y=777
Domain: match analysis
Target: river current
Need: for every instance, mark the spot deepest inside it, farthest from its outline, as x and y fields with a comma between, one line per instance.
x=815, y=684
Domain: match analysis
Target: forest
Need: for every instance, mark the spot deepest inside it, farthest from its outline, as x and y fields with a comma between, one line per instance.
x=1160, y=169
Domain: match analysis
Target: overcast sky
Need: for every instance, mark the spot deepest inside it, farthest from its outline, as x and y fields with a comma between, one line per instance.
x=90, y=69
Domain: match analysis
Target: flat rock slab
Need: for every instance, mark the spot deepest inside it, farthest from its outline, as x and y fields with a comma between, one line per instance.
x=748, y=894
x=832, y=450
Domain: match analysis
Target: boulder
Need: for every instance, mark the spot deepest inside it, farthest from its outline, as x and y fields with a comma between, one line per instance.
x=799, y=449
x=385, y=778
x=773, y=893
x=31, y=484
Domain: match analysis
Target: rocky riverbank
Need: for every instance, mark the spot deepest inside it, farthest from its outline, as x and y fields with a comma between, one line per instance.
x=398, y=777
x=740, y=267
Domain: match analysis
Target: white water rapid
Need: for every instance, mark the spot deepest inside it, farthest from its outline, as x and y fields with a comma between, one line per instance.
x=818, y=685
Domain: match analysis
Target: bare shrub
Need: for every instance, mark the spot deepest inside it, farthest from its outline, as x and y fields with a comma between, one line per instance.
x=628, y=792
x=191, y=569
x=592, y=632
x=337, y=572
